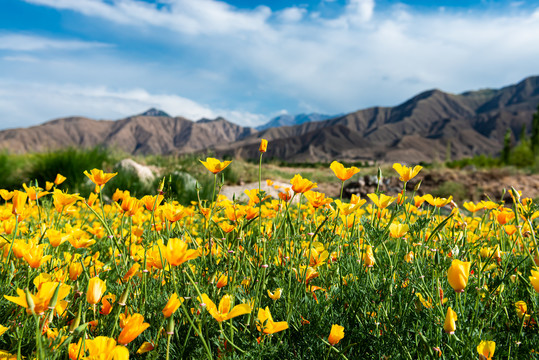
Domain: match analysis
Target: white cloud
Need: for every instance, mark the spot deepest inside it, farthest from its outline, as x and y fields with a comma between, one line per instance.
x=23, y=104
x=21, y=58
x=21, y=42
x=360, y=58
x=360, y=10
x=292, y=14
x=184, y=16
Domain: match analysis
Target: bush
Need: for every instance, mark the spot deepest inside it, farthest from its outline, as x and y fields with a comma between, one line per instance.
x=71, y=163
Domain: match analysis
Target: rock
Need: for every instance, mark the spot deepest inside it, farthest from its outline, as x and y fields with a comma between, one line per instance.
x=144, y=173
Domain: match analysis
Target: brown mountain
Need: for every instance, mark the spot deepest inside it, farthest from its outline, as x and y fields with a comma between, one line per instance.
x=142, y=134
x=424, y=128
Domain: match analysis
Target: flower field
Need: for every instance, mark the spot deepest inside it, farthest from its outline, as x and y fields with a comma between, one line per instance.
x=392, y=276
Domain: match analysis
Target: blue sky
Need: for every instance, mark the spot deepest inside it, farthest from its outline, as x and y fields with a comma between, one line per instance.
x=249, y=61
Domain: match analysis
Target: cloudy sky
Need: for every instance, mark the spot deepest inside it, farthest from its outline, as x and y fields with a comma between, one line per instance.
x=251, y=60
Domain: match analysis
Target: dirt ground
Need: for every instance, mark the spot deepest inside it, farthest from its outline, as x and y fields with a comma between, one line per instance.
x=463, y=185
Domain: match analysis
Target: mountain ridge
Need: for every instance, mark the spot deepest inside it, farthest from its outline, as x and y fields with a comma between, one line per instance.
x=425, y=127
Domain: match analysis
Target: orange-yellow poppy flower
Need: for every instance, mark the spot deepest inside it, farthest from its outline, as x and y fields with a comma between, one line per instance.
x=381, y=201
x=43, y=297
x=450, y=318
x=34, y=192
x=301, y=185
x=96, y=289
x=457, y=275
x=368, y=257
x=266, y=323
x=224, y=312
x=99, y=178
x=107, y=302
x=486, y=348
x=176, y=252
x=534, y=280
x=59, y=179
x=398, y=230
x=276, y=295
x=341, y=172
x=317, y=199
x=172, y=305
x=336, y=334
x=63, y=201
x=134, y=325
x=19, y=200
x=406, y=173
x=263, y=146
x=214, y=165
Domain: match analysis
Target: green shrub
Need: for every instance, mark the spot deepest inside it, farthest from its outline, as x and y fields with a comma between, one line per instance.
x=71, y=163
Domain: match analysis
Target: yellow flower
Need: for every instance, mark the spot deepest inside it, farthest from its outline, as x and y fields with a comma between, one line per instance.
x=486, y=349
x=266, y=323
x=134, y=325
x=336, y=334
x=471, y=207
x=151, y=201
x=347, y=209
x=34, y=192
x=458, y=274
x=426, y=302
x=382, y=201
x=99, y=178
x=368, y=256
x=3, y=329
x=107, y=302
x=224, y=312
x=63, y=201
x=19, y=200
x=145, y=347
x=276, y=295
x=96, y=289
x=534, y=280
x=43, y=297
x=398, y=230
x=263, y=146
x=222, y=282
x=406, y=173
x=6, y=195
x=59, y=179
x=317, y=199
x=341, y=172
x=438, y=202
x=176, y=252
x=301, y=185
x=449, y=324
x=522, y=308
x=409, y=257
x=214, y=165
x=33, y=254
x=172, y=305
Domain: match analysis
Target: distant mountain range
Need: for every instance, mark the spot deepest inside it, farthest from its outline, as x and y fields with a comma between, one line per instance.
x=290, y=120
x=424, y=128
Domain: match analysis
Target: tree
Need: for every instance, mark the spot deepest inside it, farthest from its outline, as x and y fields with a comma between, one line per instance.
x=535, y=132
x=506, y=151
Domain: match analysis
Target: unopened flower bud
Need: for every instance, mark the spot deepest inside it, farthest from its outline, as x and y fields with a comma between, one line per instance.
x=30, y=301
x=170, y=326
x=123, y=298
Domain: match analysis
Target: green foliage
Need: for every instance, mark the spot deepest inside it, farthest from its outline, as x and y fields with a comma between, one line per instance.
x=480, y=161
x=506, y=151
x=522, y=154
x=448, y=188
x=10, y=170
x=71, y=163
